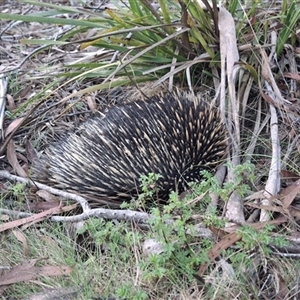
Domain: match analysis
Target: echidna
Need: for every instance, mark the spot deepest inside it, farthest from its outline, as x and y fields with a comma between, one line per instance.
x=106, y=155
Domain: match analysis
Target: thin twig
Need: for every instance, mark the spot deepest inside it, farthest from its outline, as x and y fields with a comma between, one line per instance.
x=84, y=204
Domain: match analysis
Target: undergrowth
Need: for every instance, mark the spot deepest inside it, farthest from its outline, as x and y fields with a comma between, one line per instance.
x=122, y=260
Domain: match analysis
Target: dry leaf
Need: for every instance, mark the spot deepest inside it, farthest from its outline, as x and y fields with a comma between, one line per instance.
x=91, y=103
x=285, y=174
x=228, y=40
x=290, y=193
x=21, y=238
x=30, y=152
x=292, y=75
x=47, y=196
x=11, y=102
x=27, y=271
x=41, y=206
x=12, y=126
x=283, y=291
x=12, y=159
x=230, y=239
x=37, y=217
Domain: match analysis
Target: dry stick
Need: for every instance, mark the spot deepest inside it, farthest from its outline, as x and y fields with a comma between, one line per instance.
x=274, y=97
x=140, y=218
x=229, y=58
x=111, y=214
x=40, y=216
x=273, y=182
x=84, y=204
x=127, y=215
x=3, y=90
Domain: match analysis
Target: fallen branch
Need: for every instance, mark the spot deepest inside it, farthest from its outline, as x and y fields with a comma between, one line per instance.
x=126, y=215
x=83, y=202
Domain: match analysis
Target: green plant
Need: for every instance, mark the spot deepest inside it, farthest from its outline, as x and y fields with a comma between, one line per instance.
x=260, y=239
x=290, y=16
x=129, y=291
x=149, y=192
x=149, y=189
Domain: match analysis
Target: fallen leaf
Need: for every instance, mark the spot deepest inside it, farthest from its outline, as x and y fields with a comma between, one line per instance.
x=283, y=290
x=41, y=206
x=28, y=271
x=30, y=152
x=47, y=196
x=12, y=159
x=230, y=239
x=40, y=217
x=294, y=76
x=91, y=103
x=285, y=174
x=289, y=193
x=21, y=238
x=11, y=102
x=12, y=126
